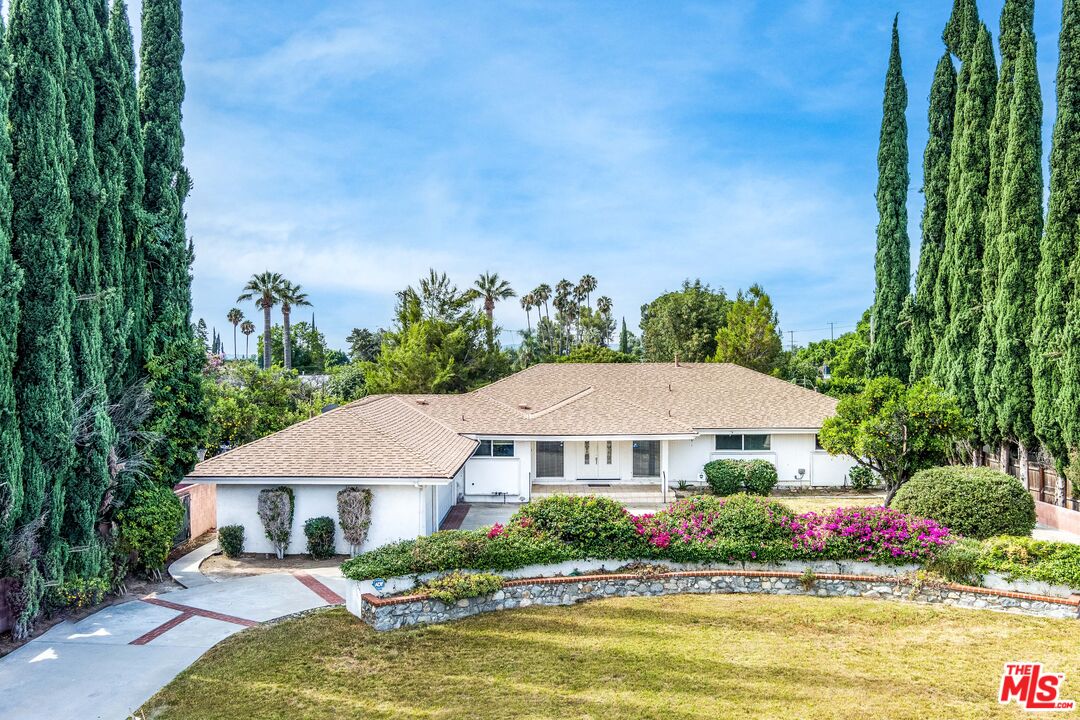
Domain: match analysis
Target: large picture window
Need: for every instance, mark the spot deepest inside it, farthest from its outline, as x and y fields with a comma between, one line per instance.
x=742, y=442
x=646, y=458
x=549, y=460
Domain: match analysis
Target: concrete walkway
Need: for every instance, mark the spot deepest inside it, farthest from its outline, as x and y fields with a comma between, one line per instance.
x=185, y=570
x=1043, y=532
x=108, y=664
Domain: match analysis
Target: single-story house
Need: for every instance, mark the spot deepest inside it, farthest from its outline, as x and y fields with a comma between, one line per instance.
x=552, y=427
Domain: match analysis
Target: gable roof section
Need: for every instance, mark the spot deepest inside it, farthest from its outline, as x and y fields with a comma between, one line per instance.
x=423, y=436
x=377, y=437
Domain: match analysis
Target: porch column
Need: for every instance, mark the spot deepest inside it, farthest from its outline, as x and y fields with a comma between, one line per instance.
x=664, y=455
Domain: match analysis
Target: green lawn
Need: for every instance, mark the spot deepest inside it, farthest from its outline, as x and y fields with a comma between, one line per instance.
x=825, y=503
x=675, y=657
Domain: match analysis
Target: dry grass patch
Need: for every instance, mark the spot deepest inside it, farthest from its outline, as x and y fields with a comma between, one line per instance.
x=825, y=503
x=672, y=657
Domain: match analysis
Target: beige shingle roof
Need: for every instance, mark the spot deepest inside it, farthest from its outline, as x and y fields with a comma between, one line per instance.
x=377, y=437
x=422, y=435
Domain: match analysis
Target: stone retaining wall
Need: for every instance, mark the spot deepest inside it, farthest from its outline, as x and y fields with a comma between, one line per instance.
x=388, y=613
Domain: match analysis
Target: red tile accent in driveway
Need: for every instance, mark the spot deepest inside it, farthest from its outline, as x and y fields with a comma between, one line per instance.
x=454, y=517
x=319, y=588
x=162, y=629
x=200, y=612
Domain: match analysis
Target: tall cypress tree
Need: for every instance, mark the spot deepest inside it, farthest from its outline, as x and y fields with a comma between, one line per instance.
x=1018, y=251
x=1054, y=353
x=1017, y=17
x=924, y=329
x=11, y=490
x=110, y=136
x=969, y=175
x=962, y=29
x=39, y=234
x=136, y=300
x=176, y=359
x=93, y=430
x=888, y=354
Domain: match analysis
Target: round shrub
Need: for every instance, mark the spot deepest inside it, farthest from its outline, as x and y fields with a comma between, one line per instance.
x=320, y=537
x=862, y=478
x=148, y=525
x=974, y=502
x=761, y=477
x=725, y=477
x=231, y=540
x=596, y=526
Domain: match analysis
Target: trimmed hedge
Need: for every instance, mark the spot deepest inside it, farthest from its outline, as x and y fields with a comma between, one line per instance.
x=974, y=502
x=231, y=540
x=596, y=526
x=320, y=537
x=728, y=476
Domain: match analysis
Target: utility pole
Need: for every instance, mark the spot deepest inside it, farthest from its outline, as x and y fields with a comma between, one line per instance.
x=832, y=335
x=791, y=334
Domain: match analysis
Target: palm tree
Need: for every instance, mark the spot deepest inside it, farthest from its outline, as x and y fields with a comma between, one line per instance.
x=247, y=327
x=291, y=296
x=585, y=289
x=542, y=294
x=492, y=289
x=528, y=302
x=235, y=316
x=265, y=290
x=564, y=289
x=603, y=304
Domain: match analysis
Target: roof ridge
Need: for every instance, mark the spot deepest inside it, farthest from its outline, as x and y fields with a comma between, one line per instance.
x=561, y=403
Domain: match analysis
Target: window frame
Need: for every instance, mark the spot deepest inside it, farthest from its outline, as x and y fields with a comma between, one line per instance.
x=536, y=459
x=486, y=449
x=655, y=454
x=742, y=442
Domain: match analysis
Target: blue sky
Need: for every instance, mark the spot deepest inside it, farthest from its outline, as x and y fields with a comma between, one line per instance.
x=351, y=145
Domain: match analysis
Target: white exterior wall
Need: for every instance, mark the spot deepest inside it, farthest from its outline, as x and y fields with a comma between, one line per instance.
x=790, y=452
x=396, y=514
x=489, y=479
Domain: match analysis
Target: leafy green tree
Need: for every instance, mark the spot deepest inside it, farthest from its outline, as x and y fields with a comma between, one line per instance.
x=835, y=367
x=180, y=413
x=624, y=339
x=11, y=489
x=310, y=353
x=290, y=296
x=1017, y=18
x=962, y=29
x=749, y=336
x=39, y=230
x=1018, y=250
x=364, y=344
x=595, y=354
x=265, y=289
x=925, y=327
x=136, y=299
x=959, y=299
x=1055, y=343
x=892, y=266
x=895, y=430
x=347, y=382
x=683, y=324
x=93, y=430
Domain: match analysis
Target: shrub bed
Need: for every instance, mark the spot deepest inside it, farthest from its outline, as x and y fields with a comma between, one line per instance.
x=459, y=586
x=727, y=477
x=699, y=529
x=974, y=502
x=1017, y=558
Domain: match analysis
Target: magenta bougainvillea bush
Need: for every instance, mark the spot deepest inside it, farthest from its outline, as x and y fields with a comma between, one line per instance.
x=875, y=534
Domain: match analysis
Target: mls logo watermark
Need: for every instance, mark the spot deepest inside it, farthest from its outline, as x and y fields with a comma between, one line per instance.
x=1032, y=689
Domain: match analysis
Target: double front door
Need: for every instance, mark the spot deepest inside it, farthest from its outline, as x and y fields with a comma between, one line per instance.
x=598, y=460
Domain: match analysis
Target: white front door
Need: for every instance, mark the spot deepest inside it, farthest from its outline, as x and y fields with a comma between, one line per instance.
x=587, y=467
x=598, y=460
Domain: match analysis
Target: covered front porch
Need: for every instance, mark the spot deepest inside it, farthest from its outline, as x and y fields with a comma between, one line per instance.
x=633, y=470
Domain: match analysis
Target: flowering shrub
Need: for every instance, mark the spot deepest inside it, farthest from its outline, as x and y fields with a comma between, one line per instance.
x=710, y=529
x=458, y=586
x=596, y=526
x=79, y=593
x=874, y=534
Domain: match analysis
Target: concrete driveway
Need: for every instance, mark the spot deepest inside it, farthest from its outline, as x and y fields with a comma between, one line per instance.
x=108, y=664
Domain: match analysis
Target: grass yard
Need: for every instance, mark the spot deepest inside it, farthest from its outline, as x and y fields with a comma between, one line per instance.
x=825, y=503
x=674, y=657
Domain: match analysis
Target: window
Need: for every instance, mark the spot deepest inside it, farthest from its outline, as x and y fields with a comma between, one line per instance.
x=817, y=443
x=646, y=458
x=549, y=459
x=742, y=442
x=494, y=448
x=586, y=452
x=608, y=452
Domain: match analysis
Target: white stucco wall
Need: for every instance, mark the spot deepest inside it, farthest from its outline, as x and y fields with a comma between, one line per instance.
x=486, y=479
x=396, y=514
x=790, y=452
